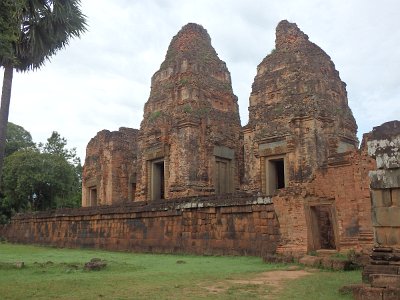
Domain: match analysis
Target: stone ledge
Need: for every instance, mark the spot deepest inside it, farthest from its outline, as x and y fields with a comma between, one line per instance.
x=228, y=200
x=385, y=280
x=362, y=292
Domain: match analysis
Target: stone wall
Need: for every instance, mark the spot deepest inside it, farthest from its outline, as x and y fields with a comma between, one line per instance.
x=340, y=188
x=233, y=225
x=109, y=173
x=383, y=271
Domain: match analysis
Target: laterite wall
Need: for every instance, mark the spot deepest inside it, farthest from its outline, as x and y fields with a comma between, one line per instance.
x=240, y=225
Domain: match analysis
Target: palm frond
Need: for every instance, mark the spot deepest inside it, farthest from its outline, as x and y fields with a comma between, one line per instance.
x=46, y=27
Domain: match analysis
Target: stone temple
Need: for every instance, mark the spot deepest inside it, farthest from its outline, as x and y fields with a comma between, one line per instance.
x=192, y=179
x=190, y=140
x=297, y=146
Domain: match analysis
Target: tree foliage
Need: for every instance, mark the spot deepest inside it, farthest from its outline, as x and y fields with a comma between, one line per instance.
x=38, y=181
x=39, y=178
x=10, y=11
x=34, y=30
x=17, y=138
x=57, y=145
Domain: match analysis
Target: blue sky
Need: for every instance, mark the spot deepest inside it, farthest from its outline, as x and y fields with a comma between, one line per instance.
x=102, y=81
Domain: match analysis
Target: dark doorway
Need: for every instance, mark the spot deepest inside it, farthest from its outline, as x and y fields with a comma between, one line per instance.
x=322, y=227
x=275, y=171
x=157, y=180
x=279, y=167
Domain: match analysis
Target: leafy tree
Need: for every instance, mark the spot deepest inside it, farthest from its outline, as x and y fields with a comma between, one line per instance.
x=57, y=145
x=17, y=138
x=9, y=31
x=38, y=181
x=40, y=178
x=32, y=31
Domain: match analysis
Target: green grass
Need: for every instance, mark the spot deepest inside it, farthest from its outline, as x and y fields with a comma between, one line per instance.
x=52, y=273
x=322, y=285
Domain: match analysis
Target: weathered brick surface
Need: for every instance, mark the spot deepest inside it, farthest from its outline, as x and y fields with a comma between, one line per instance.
x=190, y=119
x=344, y=187
x=110, y=163
x=348, y=184
x=299, y=112
x=234, y=225
x=298, y=108
x=289, y=207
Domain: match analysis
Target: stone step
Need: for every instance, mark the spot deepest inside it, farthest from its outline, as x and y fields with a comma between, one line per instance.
x=385, y=280
x=385, y=256
x=379, y=269
x=326, y=252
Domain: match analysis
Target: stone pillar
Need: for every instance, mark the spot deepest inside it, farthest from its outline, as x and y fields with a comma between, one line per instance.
x=383, y=272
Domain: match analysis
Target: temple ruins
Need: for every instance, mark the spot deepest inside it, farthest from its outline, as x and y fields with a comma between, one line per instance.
x=294, y=180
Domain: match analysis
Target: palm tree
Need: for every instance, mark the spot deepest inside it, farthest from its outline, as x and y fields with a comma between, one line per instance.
x=31, y=31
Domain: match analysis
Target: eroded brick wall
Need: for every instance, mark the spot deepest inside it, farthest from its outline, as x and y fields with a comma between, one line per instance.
x=345, y=179
x=343, y=187
x=239, y=225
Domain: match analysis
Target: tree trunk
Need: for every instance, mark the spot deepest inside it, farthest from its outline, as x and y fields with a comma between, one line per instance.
x=4, y=109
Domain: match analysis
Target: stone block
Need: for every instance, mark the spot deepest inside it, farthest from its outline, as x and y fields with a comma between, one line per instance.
x=386, y=216
x=376, y=198
x=385, y=179
x=385, y=280
x=381, y=235
x=310, y=261
x=379, y=269
x=368, y=293
x=350, y=288
x=341, y=265
x=396, y=197
x=393, y=238
x=326, y=263
x=391, y=294
x=381, y=198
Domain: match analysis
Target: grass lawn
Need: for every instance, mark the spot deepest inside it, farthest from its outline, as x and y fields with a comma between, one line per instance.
x=51, y=273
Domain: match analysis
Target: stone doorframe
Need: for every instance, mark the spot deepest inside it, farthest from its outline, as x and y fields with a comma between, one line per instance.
x=272, y=150
x=226, y=156
x=312, y=231
x=267, y=182
x=154, y=156
x=91, y=191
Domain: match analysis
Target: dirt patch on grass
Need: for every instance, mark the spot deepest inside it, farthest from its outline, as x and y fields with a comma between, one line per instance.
x=275, y=278
x=265, y=285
